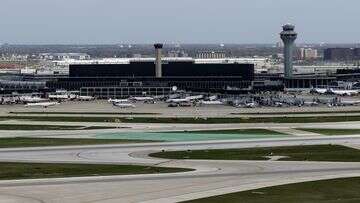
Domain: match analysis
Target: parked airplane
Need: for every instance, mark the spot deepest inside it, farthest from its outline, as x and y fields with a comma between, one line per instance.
x=344, y=92
x=177, y=100
x=212, y=98
x=85, y=98
x=211, y=103
x=196, y=97
x=348, y=103
x=319, y=91
x=124, y=105
x=118, y=100
x=310, y=103
x=247, y=105
x=42, y=104
x=160, y=97
x=250, y=105
x=7, y=100
x=62, y=96
x=30, y=99
x=142, y=98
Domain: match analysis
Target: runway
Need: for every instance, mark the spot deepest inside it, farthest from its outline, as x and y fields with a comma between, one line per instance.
x=210, y=177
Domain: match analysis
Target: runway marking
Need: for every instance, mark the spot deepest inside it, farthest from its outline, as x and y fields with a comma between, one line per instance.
x=295, y=132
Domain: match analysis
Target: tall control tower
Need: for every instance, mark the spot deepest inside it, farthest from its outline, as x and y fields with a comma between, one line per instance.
x=288, y=36
x=158, y=60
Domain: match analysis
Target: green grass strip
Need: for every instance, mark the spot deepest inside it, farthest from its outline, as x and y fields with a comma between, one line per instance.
x=344, y=190
x=292, y=153
x=42, y=142
x=50, y=170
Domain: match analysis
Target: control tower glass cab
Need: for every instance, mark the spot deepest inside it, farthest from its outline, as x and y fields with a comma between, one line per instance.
x=288, y=36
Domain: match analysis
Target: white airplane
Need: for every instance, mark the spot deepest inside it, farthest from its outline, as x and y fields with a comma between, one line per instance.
x=344, y=92
x=124, y=105
x=310, y=103
x=29, y=99
x=56, y=96
x=8, y=100
x=142, y=98
x=86, y=98
x=211, y=103
x=186, y=99
x=250, y=105
x=196, y=97
x=177, y=100
x=159, y=97
x=212, y=98
x=278, y=104
x=348, y=103
x=118, y=100
x=62, y=96
x=42, y=104
x=319, y=90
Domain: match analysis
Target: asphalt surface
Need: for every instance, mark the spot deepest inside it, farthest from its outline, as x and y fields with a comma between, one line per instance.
x=161, y=109
x=210, y=178
x=159, y=127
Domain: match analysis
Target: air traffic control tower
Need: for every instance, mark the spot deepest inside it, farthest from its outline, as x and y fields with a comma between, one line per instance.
x=288, y=36
x=158, y=60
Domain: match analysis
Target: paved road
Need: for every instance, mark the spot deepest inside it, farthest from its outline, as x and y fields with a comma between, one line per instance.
x=210, y=178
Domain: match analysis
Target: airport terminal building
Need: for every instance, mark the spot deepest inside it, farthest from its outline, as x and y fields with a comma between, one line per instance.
x=110, y=78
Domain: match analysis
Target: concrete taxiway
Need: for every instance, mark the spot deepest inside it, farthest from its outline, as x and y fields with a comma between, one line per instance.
x=287, y=128
x=210, y=178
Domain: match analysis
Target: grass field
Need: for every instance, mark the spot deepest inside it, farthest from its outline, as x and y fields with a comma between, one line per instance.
x=295, y=153
x=332, y=131
x=289, y=119
x=337, y=190
x=233, y=131
x=297, y=112
x=49, y=127
x=39, y=170
x=82, y=113
x=41, y=142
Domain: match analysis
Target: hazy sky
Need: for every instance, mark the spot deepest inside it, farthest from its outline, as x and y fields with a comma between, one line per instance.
x=184, y=21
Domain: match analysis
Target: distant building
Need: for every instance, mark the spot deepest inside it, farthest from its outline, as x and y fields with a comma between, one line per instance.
x=64, y=56
x=308, y=54
x=137, y=56
x=27, y=71
x=342, y=54
x=177, y=53
x=211, y=55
